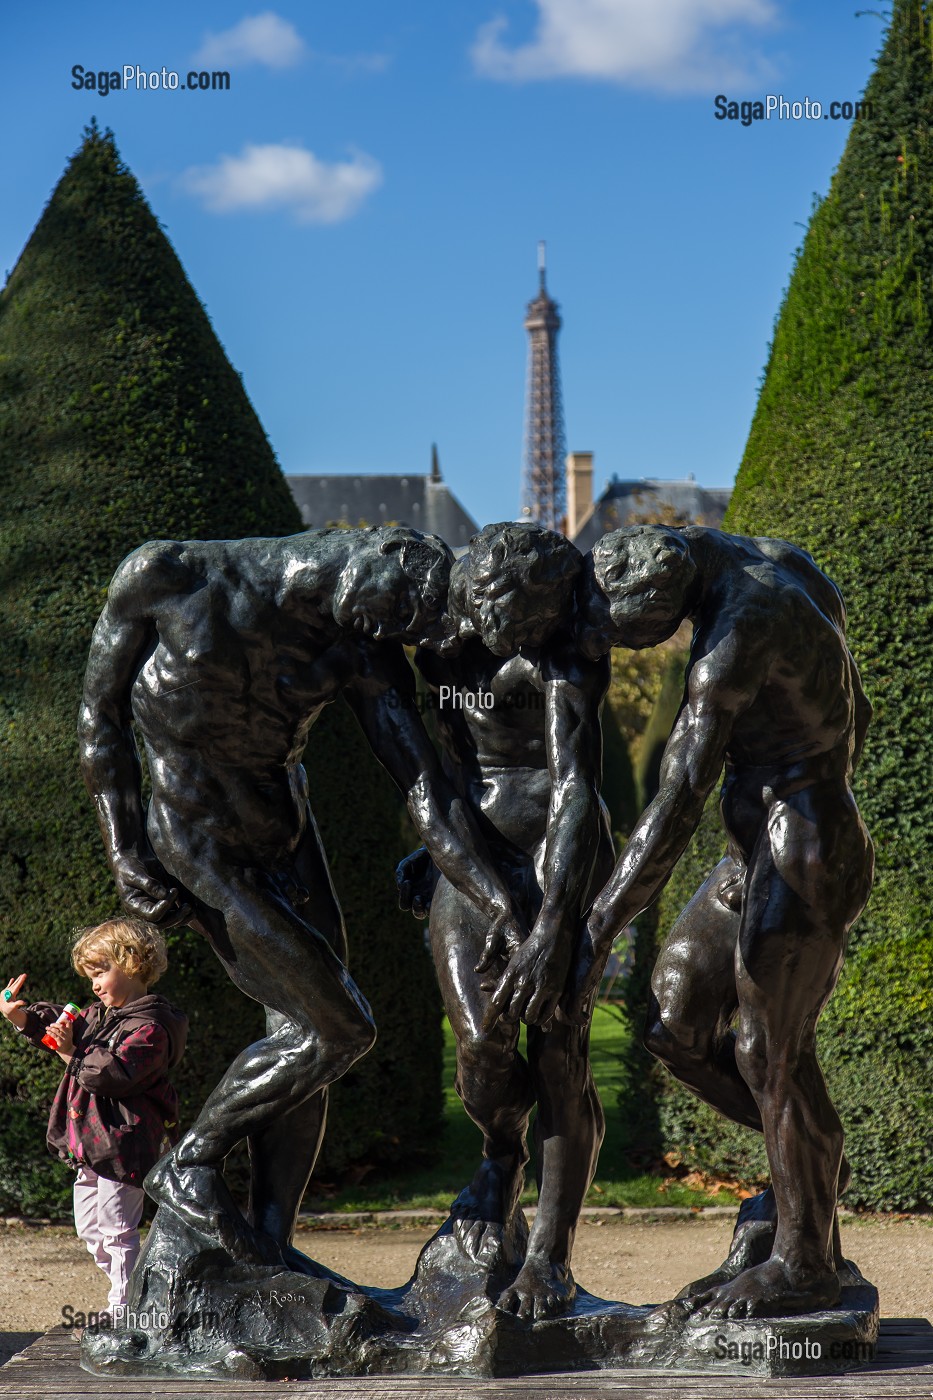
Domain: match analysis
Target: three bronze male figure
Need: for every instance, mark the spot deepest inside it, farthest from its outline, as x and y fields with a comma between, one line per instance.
x=222, y=655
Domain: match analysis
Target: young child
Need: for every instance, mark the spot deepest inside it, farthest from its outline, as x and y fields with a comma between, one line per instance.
x=115, y=1111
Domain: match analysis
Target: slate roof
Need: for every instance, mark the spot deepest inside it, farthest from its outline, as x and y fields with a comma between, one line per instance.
x=674, y=502
x=422, y=502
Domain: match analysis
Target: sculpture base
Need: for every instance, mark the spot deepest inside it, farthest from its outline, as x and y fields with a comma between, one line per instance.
x=221, y=1315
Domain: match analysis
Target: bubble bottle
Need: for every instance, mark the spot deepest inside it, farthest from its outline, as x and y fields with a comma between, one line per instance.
x=70, y=1014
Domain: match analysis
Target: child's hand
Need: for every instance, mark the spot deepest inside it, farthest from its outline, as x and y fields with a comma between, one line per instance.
x=9, y=1006
x=63, y=1035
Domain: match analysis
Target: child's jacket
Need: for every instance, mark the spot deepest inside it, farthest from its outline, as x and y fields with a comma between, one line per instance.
x=115, y=1107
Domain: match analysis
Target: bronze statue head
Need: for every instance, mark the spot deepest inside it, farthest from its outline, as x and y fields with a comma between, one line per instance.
x=394, y=583
x=636, y=588
x=514, y=587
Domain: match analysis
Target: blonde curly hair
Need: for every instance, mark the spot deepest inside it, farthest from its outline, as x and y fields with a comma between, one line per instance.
x=136, y=947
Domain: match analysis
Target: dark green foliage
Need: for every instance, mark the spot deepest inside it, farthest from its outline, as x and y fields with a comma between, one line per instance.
x=839, y=461
x=876, y=1044
x=122, y=420
x=838, y=458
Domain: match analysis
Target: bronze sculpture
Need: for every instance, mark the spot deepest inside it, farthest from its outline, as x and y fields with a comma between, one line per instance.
x=528, y=762
x=223, y=653
x=773, y=693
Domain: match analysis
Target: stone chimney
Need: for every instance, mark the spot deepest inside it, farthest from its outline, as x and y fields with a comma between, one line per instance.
x=579, y=490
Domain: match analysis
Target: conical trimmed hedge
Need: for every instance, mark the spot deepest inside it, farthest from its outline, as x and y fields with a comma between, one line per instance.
x=121, y=420
x=840, y=460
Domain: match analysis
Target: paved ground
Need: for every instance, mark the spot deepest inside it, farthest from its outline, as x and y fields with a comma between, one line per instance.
x=45, y=1269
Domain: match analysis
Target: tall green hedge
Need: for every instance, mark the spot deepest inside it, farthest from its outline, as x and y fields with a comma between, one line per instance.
x=121, y=420
x=840, y=460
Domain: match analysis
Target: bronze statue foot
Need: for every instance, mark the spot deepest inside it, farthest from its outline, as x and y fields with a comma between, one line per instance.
x=542, y=1289
x=752, y=1242
x=768, y=1290
x=483, y=1211
x=199, y=1195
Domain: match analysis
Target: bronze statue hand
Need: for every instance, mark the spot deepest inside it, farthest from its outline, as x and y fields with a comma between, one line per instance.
x=506, y=935
x=144, y=888
x=530, y=987
x=416, y=877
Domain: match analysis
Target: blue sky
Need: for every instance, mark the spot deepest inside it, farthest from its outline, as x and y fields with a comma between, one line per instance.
x=360, y=211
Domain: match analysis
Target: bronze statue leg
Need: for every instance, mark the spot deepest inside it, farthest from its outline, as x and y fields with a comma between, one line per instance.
x=693, y=1005
x=282, y=1155
x=694, y=1001
x=807, y=880
x=568, y=1133
x=492, y=1077
x=689, y=1029
x=323, y=1026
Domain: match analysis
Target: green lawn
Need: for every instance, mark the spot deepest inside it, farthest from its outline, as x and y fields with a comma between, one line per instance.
x=435, y=1187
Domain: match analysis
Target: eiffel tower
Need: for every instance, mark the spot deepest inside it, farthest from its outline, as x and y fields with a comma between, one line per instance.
x=543, y=484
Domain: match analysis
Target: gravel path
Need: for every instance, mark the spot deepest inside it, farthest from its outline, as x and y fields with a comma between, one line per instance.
x=43, y=1269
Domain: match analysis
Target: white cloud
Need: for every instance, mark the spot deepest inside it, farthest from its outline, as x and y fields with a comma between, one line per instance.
x=285, y=177
x=672, y=45
x=265, y=38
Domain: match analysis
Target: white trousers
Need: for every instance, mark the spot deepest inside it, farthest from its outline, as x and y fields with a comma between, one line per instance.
x=106, y=1216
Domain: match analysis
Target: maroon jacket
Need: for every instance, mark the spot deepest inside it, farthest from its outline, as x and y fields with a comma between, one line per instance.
x=115, y=1110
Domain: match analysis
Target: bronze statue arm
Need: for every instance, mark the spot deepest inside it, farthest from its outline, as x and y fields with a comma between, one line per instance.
x=721, y=685
x=575, y=764
x=417, y=875
x=533, y=982
x=383, y=698
x=691, y=764
x=110, y=759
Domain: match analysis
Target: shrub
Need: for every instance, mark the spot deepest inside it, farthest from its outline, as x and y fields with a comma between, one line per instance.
x=838, y=460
